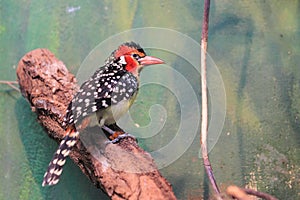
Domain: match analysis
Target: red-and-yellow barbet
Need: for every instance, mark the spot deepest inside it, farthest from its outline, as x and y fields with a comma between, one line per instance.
x=109, y=93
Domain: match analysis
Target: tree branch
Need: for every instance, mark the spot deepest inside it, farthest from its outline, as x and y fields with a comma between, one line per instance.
x=122, y=170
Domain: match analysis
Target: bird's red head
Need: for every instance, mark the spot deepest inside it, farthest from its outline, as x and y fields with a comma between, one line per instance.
x=134, y=57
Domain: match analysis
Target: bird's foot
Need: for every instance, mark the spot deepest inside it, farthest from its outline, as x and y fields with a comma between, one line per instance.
x=116, y=136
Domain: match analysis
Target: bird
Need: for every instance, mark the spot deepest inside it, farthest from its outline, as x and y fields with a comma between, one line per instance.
x=107, y=94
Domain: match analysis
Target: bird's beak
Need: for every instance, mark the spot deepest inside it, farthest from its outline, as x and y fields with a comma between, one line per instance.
x=150, y=60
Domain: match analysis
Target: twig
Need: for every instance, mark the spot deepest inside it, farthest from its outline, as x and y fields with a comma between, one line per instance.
x=259, y=194
x=242, y=193
x=204, y=122
x=10, y=83
x=234, y=191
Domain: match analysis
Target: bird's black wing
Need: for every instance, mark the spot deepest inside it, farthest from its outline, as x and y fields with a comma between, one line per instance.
x=106, y=87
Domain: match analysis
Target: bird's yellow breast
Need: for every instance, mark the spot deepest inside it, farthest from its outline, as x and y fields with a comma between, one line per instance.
x=111, y=114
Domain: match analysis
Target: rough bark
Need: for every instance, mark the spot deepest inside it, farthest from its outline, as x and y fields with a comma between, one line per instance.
x=122, y=170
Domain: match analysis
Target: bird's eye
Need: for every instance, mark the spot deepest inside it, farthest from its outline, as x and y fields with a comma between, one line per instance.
x=136, y=56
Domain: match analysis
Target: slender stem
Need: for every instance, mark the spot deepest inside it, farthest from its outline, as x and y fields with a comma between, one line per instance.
x=259, y=194
x=8, y=82
x=204, y=121
x=243, y=193
x=11, y=84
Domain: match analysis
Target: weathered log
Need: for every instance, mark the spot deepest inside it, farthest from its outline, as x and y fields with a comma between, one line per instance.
x=122, y=170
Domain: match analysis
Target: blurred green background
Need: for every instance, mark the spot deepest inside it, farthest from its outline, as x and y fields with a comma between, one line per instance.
x=255, y=45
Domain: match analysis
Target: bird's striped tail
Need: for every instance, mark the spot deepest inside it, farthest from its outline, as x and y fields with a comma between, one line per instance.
x=55, y=167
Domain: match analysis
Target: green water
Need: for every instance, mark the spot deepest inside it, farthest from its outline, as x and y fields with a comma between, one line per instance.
x=255, y=45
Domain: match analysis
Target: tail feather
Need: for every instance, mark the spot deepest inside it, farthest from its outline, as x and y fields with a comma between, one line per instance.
x=55, y=167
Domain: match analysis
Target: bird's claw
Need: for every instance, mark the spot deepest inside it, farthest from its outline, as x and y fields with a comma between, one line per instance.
x=117, y=137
